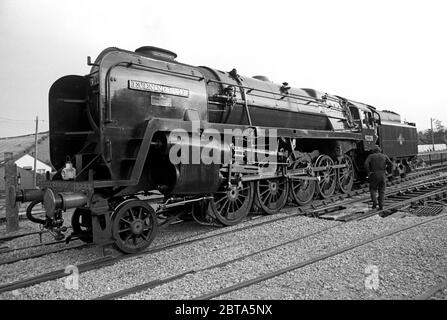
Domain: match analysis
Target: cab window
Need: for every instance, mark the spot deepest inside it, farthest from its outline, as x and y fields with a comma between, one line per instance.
x=367, y=120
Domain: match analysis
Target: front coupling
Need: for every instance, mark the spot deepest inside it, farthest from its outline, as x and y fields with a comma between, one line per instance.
x=62, y=201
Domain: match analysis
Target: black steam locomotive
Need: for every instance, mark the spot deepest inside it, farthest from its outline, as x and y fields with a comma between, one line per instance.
x=215, y=142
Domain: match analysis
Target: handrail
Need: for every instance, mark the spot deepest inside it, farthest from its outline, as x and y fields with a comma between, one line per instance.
x=247, y=90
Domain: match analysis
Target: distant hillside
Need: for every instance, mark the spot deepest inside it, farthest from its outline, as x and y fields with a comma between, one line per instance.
x=22, y=145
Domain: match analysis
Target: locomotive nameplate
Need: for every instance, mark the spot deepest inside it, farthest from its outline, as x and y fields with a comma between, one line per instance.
x=154, y=87
x=161, y=100
x=369, y=138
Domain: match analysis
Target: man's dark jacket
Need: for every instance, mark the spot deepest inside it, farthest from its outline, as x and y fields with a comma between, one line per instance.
x=376, y=165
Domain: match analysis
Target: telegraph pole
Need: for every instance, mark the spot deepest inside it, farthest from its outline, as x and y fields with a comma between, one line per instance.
x=35, y=154
x=432, y=134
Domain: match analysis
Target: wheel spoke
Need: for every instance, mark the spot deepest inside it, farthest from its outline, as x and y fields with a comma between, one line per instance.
x=131, y=214
x=322, y=183
x=218, y=201
x=128, y=236
x=264, y=183
x=229, y=210
x=264, y=192
x=144, y=236
x=243, y=196
x=140, y=212
x=267, y=200
x=222, y=209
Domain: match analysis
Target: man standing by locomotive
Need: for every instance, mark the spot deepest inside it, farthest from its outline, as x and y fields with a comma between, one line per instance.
x=376, y=164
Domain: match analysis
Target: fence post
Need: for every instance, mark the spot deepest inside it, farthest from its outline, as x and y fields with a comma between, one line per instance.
x=12, y=210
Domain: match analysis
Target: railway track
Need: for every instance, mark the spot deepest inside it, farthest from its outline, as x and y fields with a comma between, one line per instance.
x=108, y=260
x=394, y=200
x=158, y=282
x=270, y=275
x=21, y=235
x=53, y=275
x=40, y=254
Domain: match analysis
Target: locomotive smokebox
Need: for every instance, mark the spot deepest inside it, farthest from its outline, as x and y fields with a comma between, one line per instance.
x=156, y=53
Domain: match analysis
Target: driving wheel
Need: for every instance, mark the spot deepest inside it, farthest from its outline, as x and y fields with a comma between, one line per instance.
x=327, y=180
x=345, y=176
x=232, y=204
x=271, y=194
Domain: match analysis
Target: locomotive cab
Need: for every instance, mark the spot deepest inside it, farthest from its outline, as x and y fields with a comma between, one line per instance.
x=366, y=122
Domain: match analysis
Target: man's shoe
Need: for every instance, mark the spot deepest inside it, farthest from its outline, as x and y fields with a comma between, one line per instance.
x=374, y=206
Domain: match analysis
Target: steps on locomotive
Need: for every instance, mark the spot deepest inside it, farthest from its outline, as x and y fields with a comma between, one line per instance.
x=128, y=161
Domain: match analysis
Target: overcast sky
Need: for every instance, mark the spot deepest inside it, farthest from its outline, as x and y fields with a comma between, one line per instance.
x=389, y=54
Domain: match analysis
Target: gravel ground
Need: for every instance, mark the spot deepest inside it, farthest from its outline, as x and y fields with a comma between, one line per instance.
x=203, y=282
x=32, y=267
x=407, y=264
x=163, y=264
x=212, y=251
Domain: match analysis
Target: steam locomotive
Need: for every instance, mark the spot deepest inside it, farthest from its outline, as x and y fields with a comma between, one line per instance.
x=220, y=144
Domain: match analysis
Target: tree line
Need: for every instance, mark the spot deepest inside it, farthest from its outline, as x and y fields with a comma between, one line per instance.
x=439, y=134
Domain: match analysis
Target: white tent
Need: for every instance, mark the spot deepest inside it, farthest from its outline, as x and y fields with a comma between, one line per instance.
x=27, y=162
x=429, y=147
